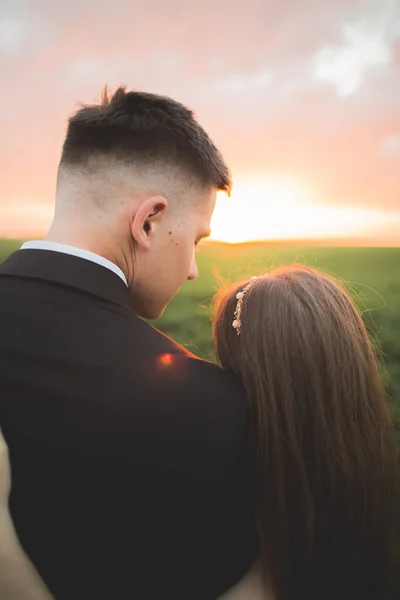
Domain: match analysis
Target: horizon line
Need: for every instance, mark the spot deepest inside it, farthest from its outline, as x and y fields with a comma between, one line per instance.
x=327, y=241
x=365, y=242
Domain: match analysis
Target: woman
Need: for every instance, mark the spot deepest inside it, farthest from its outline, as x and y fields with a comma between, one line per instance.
x=322, y=434
x=323, y=437
x=18, y=578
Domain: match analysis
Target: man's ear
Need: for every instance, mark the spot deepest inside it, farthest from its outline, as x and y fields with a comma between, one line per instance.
x=147, y=218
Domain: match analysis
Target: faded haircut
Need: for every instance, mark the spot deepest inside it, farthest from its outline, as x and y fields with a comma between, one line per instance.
x=140, y=130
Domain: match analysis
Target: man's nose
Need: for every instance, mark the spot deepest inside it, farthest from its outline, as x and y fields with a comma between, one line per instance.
x=193, y=273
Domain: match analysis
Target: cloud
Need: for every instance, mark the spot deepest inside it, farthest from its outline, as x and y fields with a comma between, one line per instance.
x=11, y=35
x=366, y=44
x=391, y=146
x=297, y=88
x=245, y=83
x=346, y=67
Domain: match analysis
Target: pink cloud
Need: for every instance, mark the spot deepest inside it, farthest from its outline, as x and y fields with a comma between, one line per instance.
x=246, y=68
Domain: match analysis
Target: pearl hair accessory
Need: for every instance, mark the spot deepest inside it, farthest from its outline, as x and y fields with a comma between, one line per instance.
x=237, y=322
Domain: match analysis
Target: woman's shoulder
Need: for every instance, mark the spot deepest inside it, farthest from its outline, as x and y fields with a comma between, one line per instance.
x=250, y=587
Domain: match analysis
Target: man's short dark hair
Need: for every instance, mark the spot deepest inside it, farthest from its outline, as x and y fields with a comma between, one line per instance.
x=142, y=128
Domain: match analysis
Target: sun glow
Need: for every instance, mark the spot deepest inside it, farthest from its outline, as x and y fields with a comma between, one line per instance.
x=266, y=207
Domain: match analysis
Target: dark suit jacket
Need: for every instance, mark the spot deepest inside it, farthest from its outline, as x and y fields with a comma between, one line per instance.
x=130, y=457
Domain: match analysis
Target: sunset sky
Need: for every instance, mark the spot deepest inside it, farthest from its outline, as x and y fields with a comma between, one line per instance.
x=302, y=97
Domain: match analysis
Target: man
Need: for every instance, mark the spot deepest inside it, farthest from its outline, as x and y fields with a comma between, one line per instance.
x=130, y=457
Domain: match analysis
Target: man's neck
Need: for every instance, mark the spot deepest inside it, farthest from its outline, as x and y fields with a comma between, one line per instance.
x=104, y=242
x=75, y=251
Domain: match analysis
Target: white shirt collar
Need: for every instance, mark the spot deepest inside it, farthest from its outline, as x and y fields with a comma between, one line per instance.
x=73, y=251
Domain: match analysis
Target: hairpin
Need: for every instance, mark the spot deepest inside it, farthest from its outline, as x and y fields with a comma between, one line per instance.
x=237, y=322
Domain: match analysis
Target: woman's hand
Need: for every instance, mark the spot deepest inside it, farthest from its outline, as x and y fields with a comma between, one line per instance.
x=251, y=587
x=5, y=476
x=19, y=579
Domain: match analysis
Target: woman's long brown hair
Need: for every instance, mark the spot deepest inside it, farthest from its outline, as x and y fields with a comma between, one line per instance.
x=325, y=452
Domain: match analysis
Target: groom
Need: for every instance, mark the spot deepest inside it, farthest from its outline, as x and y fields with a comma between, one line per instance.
x=130, y=457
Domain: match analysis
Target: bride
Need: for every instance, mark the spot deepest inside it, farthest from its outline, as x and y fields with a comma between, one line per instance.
x=18, y=578
x=323, y=437
x=322, y=434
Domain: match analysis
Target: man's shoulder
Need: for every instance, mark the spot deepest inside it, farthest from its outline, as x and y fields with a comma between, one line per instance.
x=172, y=355
x=195, y=404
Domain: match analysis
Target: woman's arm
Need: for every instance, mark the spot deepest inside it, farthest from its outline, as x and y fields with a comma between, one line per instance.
x=19, y=579
x=251, y=587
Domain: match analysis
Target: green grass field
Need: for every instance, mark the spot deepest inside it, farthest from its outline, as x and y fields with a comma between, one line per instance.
x=371, y=274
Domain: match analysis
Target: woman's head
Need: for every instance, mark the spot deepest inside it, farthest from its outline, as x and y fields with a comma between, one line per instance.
x=326, y=462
